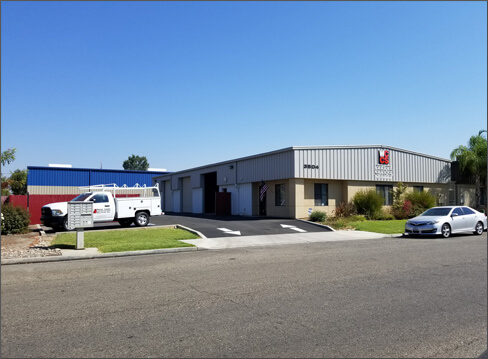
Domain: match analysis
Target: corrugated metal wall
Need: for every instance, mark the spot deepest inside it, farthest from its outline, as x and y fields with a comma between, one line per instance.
x=360, y=164
x=36, y=202
x=53, y=180
x=267, y=167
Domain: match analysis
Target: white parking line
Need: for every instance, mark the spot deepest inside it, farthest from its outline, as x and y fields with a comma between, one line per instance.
x=293, y=228
x=229, y=231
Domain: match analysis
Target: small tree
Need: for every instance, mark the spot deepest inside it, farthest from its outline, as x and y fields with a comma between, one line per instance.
x=473, y=159
x=399, y=209
x=136, y=163
x=8, y=156
x=18, y=182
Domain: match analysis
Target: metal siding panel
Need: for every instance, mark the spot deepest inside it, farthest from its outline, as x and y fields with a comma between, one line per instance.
x=52, y=176
x=266, y=168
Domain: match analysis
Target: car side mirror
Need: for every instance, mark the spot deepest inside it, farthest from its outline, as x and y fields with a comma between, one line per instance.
x=454, y=215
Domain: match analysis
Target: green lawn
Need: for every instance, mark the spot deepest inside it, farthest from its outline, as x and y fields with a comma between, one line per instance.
x=127, y=240
x=386, y=227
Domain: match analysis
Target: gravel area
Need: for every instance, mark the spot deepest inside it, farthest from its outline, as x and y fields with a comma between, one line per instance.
x=28, y=245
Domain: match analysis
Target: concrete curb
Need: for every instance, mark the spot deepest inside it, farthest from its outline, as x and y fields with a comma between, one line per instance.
x=316, y=224
x=191, y=230
x=98, y=255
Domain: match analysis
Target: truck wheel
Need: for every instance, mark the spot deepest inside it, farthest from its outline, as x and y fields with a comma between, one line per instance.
x=65, y=224
x=141, y=219
x=126, y=222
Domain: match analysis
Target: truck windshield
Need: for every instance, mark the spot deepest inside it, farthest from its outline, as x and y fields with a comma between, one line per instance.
x=82, y=196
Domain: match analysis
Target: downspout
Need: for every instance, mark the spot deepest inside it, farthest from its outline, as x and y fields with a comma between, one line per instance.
x=237, y=188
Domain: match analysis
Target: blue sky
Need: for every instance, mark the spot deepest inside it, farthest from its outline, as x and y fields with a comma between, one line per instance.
x=192, y=83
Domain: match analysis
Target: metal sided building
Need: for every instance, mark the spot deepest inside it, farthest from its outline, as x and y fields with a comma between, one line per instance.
x=59, y=180
x=299, y=180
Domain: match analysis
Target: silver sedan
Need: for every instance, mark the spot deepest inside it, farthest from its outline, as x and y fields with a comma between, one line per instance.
x=447, y=220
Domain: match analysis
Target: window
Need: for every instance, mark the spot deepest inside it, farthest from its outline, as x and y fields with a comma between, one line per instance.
x=418, y=188
x=459, y=211
x=466, y=210
x=100, y=198
x=279, y=195
x=386, y=192
x=321, y=194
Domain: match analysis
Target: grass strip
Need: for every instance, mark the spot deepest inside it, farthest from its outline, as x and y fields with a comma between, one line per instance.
x=127, y=240
x=387, y=227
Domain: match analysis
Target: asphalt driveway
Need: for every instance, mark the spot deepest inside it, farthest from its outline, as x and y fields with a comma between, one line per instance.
x=234, y=226
x=212, y=226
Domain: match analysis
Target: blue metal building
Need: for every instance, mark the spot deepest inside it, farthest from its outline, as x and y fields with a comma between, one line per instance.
x=62, y=180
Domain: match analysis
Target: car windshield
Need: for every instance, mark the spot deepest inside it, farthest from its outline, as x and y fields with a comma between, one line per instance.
x=437, y=212
x=82, y=196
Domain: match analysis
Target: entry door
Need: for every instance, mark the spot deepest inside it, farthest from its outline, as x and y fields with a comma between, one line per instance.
x=262, y=202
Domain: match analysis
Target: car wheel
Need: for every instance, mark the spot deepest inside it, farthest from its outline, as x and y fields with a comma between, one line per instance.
x=478, y=229
x=66, y=227
x=142, y=219
x=446, y=230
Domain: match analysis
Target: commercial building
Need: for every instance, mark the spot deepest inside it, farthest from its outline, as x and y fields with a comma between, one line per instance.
x=293, y=182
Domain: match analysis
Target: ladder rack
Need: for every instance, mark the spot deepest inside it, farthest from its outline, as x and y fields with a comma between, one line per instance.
x=115, y=189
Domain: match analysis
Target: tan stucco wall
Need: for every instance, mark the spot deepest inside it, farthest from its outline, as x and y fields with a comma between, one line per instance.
x=300, y=195
x=305, y=197
x=468, y=191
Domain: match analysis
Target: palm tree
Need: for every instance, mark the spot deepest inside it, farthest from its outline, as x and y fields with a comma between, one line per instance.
x=473, y=160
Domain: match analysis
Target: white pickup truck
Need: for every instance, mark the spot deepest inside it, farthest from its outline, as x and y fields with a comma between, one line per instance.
x=124, y=204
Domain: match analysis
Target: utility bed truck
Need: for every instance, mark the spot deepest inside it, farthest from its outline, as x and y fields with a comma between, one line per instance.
x=124, y=204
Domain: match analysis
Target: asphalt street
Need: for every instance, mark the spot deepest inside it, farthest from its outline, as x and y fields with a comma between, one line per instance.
x=389, y=297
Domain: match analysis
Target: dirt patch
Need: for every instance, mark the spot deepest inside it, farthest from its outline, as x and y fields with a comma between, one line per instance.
x=27, y=245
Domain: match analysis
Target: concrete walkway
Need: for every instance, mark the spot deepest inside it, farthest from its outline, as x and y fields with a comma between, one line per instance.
x=276, y=239
x=212, y=243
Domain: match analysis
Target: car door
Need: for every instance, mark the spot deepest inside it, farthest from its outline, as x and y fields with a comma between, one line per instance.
x=470, y=218
x=102, y=211
x=458, y=222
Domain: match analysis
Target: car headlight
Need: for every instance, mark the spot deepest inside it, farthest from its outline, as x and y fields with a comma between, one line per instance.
x=57, y=212
x=433, y=222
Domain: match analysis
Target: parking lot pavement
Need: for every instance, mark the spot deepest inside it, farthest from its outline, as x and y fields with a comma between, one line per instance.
x=235, y=226
x=212, y=226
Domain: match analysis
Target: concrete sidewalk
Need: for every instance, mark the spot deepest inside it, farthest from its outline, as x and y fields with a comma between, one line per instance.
x=277, y=239
x=212, y=243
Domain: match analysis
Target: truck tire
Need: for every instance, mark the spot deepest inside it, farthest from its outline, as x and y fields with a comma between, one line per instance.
x=65, y=226
x=126, y=222
x=141, y=219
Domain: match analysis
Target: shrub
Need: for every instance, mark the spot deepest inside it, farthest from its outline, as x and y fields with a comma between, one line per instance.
x=15, y=219
x=358, y=218
x=318, y=216
x=421, y=201
x=345, y=209
x=404, y=211
x=385, y=215
x=369, y=203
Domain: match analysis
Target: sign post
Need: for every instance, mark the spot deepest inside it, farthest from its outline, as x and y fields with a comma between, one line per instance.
x=80, y=215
